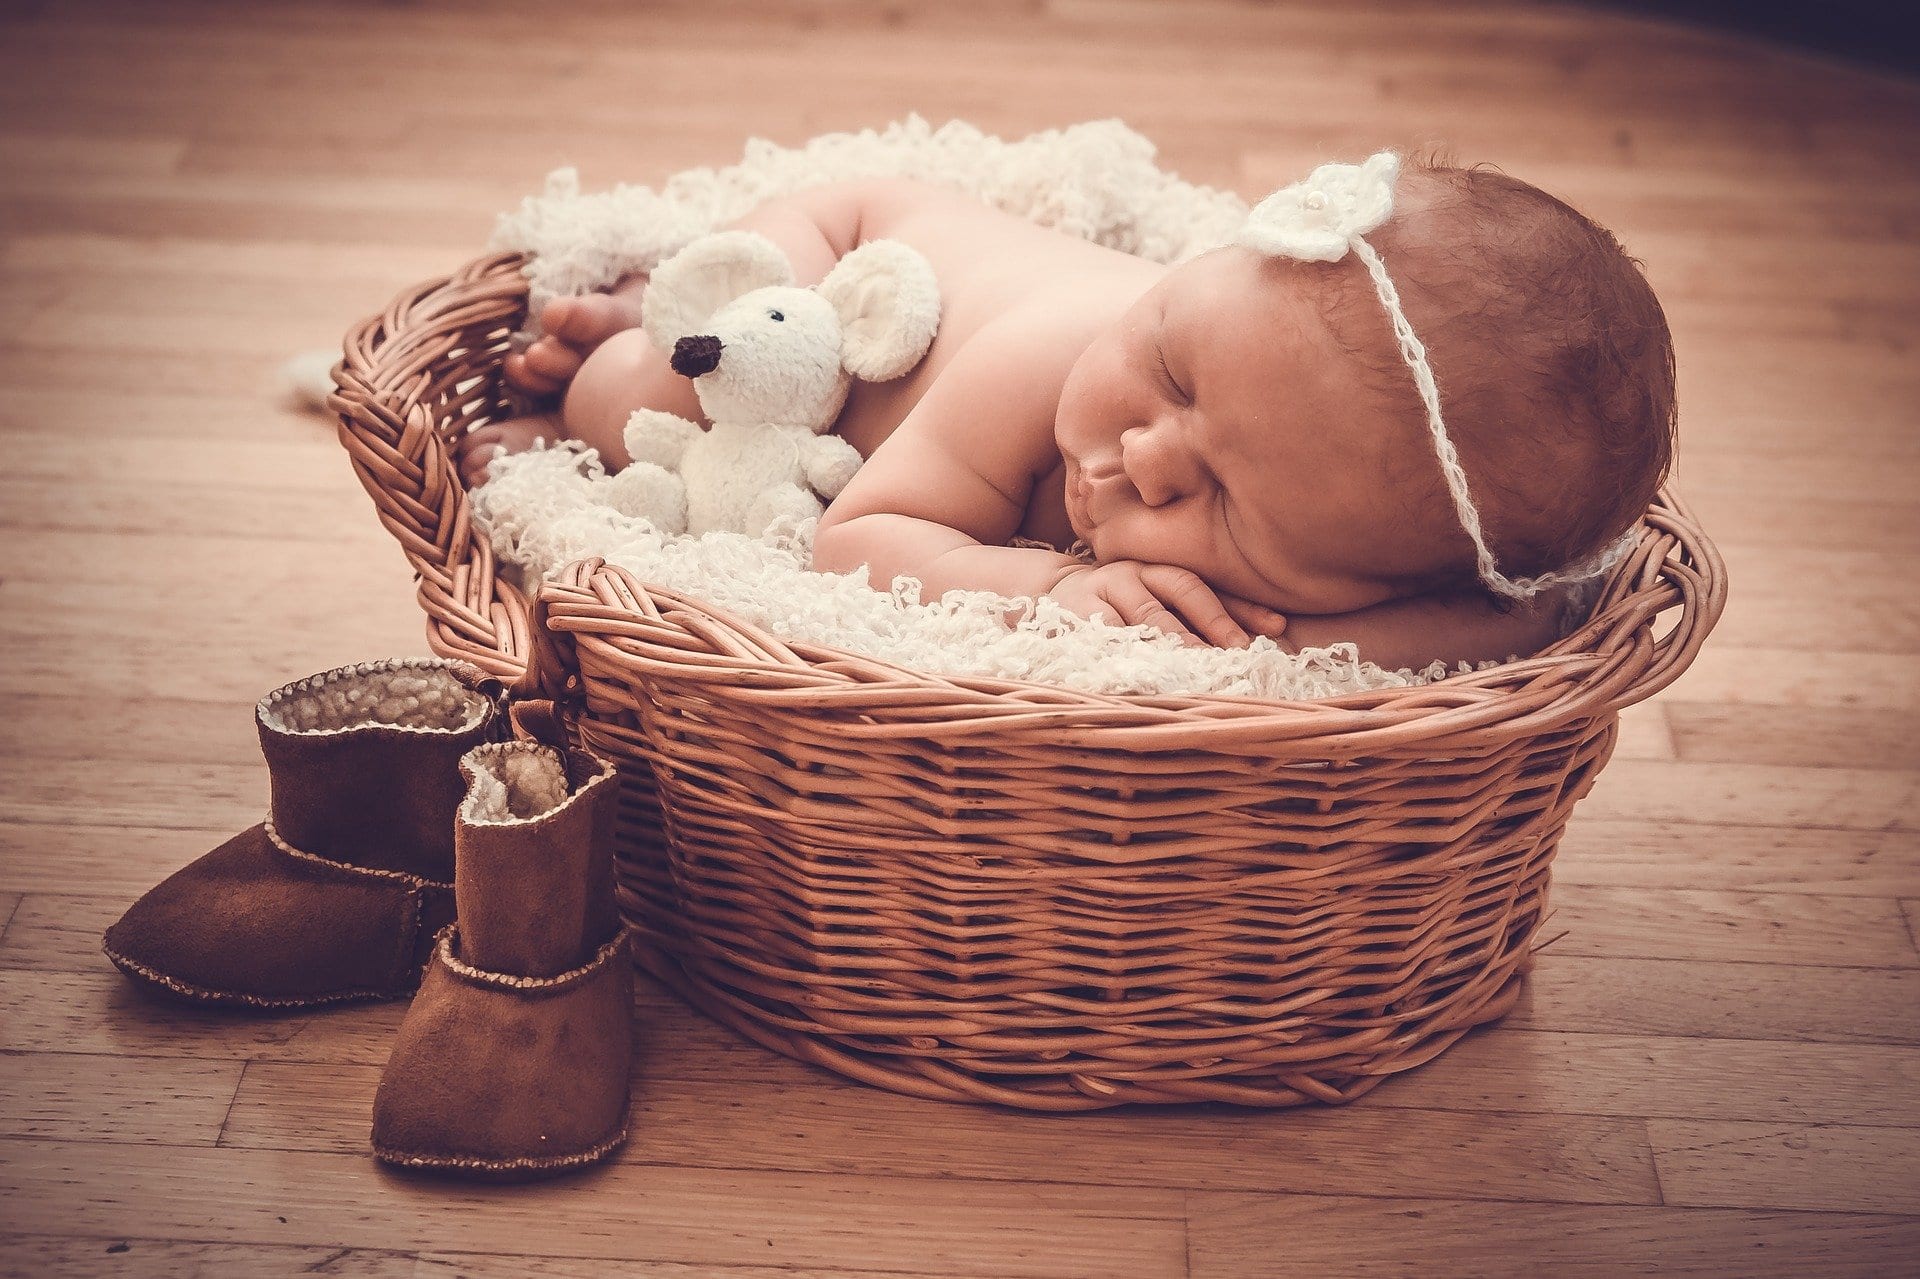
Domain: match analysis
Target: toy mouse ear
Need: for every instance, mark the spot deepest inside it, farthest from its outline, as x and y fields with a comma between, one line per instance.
x=686, y=289
x=888, y=301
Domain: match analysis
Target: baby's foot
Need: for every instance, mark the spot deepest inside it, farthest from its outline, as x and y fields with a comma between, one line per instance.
x=472, y=451
x=574, y=327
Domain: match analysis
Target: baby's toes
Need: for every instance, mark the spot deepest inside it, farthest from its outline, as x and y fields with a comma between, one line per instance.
x=585, y=322
x=553, y=360
x=525, y=379
x=471, y=462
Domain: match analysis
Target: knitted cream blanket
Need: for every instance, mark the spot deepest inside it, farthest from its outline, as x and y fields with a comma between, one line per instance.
x=1098, y=181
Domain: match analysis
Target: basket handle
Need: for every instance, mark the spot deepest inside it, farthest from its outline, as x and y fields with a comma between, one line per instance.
x=411, y=379
x=1675, y=565
x=553, y=666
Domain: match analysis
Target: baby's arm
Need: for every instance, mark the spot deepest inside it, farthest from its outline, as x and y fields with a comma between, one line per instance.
x=1452, y=627
x=953, y=482
x=950, y=485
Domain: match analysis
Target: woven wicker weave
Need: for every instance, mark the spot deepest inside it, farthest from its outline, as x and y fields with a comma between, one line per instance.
x=993, y=891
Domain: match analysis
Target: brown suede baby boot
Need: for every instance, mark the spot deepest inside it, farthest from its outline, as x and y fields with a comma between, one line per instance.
x=512, y=1062
x=339, y=893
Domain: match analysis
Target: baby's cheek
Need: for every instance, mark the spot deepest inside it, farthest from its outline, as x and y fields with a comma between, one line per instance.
x=1091, y=422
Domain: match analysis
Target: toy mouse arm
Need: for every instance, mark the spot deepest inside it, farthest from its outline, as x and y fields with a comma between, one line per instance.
x=659, y=438
x=829, y=463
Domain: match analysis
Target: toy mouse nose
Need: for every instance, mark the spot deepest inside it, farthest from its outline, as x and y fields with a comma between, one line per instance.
x=697, y=354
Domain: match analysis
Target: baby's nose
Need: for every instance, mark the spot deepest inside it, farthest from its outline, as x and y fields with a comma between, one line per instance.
x=1160, y=467
x=696, y=354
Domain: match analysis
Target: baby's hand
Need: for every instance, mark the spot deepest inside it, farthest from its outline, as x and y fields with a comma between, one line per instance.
x=1167, y=598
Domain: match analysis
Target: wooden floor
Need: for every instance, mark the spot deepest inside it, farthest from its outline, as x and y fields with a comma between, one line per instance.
x=1716, y=1070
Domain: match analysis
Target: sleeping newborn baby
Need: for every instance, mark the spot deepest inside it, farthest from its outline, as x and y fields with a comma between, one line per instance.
x=1397, y=394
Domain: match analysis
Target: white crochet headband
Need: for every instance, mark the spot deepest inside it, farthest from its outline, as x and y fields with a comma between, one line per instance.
x=1321, y=220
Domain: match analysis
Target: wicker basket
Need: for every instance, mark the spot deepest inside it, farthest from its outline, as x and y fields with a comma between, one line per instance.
x=1004, y=892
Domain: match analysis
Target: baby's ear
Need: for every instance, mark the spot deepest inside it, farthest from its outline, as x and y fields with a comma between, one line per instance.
x=686, y=289
x=888, y=301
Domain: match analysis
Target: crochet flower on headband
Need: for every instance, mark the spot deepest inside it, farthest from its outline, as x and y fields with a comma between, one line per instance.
x=1324, y=218
x=1317, y=220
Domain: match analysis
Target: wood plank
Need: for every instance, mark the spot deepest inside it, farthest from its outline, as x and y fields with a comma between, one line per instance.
x=1644, y=733
x=1801, y=736
x=284, y=515
x=834, y=1126
x=1239, y=1234
x=57, y=1257
x=157, y=263
x=101, y=1012
x=60, y=1257
x=166, y=1101
x=58, y=933
x=245, y=405
x=1846, y=475
x=1526, y=1071
x=1757, y=794
x=1838, y=523
x=306, y=459
x=1757, y=928
x=1737, y=858
x=66, y=726
x=1831, y=1167
x=470, y=1265
x=633, y=1213
x=288, y=630
x=217, y=375
x=1777, y=674
x=116, y=863
x=51, y=151
x=132, y=793
x=1688, y=998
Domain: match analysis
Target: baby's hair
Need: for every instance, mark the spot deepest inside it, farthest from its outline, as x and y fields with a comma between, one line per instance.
x=1553, y=358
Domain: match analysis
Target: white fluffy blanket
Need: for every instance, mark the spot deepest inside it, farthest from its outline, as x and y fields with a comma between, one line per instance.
x=1098, y=181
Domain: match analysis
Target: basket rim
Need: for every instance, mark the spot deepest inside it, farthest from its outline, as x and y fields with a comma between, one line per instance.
x=664, y=633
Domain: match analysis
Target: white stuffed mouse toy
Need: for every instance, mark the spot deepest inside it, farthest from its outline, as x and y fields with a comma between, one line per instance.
x=771, y=363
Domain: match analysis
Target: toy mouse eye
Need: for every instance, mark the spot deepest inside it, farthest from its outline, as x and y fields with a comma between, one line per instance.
x=776, y=316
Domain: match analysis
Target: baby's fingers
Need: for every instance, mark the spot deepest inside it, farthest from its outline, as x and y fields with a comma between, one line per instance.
x=1136, y=606
x=1258, y=619
x=1185, y=592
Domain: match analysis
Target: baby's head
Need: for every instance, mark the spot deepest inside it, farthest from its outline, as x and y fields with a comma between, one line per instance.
x=1253, y=417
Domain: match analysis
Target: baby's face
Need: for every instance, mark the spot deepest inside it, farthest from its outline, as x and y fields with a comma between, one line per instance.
x=1220, y=427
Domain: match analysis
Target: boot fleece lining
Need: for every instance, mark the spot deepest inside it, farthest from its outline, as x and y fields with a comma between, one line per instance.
x=398, y=694
x=514, y=782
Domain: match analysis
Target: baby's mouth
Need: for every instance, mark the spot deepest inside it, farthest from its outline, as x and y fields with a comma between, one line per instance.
x=1077, y=502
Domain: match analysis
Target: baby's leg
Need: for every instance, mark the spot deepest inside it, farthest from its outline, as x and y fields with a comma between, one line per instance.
x=623, y=374
x=599, y=356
